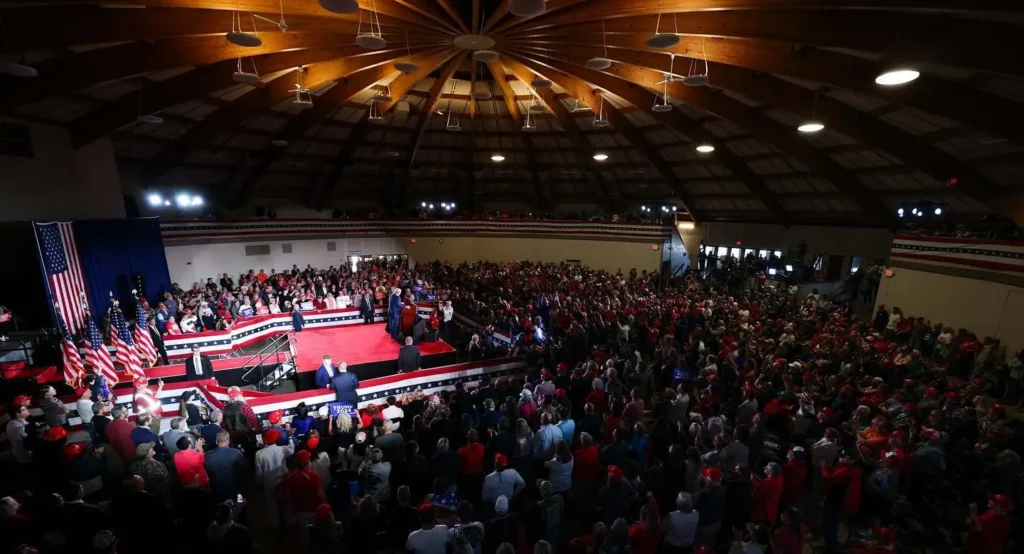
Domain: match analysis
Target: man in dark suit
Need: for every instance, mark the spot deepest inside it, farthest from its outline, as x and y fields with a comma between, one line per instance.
x=366, y=307
x=298, y=322
x=81, y=520
x=198, y=366
x=345, y=385
x=408, y=357
x=157, y=338
x=325, y=373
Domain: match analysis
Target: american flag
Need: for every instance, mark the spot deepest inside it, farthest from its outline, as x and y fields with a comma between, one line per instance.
x=96, y=354
x=64, y=282
x=142, y=339
x=74, y=369
x=127, y=355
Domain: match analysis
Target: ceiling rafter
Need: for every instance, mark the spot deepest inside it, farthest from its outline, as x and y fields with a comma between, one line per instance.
x=331, y=100
x=261, y=100
x=756, y=123
x=933, y=94
x=920, y=37
x=496, y=15
x=433, y=94
x=428, y=10
x=554, y=105
x=508, y=95
x=199, y=82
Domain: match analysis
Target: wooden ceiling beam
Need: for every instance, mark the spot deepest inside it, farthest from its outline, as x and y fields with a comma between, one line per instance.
x=555, y=106
x=596, y=10
x=453, y=23
x=922, y=36
x=496, y=15
x=553, y=6
x=262, y=100
x=932, y=94
x=329, y=101
x=199, y=82
x=632, y=80
x=431, y=103
x=64, y=26
x=106, y=64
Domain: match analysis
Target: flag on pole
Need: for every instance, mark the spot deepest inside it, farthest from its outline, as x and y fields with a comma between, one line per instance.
x=124, y=344
x=147, y=350
x=96, y=354
x=64, y=282
x=74, y=369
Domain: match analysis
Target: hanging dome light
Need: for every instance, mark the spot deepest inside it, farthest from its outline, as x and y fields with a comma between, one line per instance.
x=694, y=79
x=661, y=101
x=540, y=82
x=242, y=76
x=151, y=119
x=600, y=156
x=897, y=76
x=383, y=95
x=663, y=40
x=407, y=66
x=661, y=105
x=600, y=63
x=481, y=91
x=372, y=39
x=279, y=143
x=600, y=121
x=340, y=6
x=452, y=123
x=705, y=148
x=526, y=8
x=811, y=127
x=485, y=56
x=497, y=158
x=375, y=114
x=239, y=37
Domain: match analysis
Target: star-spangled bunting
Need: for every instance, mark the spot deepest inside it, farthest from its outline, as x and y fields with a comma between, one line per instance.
x=124, y=344
x=96, y=355
x=144, y=342
x=74, y=369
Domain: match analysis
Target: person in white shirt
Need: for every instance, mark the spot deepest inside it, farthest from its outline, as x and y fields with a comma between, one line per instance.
x=271, y=467
x=84, y=408
x=447, y=313
x=275, y=308
x=393, y=412
x=16, y=434
x=344, y=300
x=429, y=538
x=502, y=482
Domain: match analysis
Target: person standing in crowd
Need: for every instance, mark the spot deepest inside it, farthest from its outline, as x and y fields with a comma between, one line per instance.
x=271, y=468
x=54, y=412
x=395, y=312
x=226, y=468
x=366, y=308
x=83, y=406
x=156, y=334
x=447, y=317
x=298, y=321
x=147, y=402
x=409, y=357
x=325, y=373
x=345, y=385
x=197, y=366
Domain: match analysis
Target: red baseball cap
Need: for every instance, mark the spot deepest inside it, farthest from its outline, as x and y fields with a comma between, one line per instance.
x=712, y=473
x=323, y=512
x=140, y=380
x=885, y=535
x=302, y=457
x=54, y=434
x=313, y=443
x=23, y=400
x=614, y=473
x=500, y=461
x=271, y=436
x=73, y=450
x=274, y=417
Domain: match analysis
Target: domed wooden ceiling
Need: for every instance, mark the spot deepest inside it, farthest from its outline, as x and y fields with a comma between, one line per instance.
x=741, y=76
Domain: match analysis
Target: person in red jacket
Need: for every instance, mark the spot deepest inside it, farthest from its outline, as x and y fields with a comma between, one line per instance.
x=767, y=493
x=846, y=474
x=988, y=532
x=794, y=475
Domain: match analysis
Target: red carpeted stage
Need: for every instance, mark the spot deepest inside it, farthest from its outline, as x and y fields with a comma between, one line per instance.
x=367, y=349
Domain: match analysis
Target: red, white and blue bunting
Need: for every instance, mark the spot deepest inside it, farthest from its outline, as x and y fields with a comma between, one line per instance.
x=1001, y=256
x=186, y=232
x=372, y=391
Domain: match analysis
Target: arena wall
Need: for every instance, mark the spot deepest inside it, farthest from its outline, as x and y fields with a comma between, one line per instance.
x=984, y=307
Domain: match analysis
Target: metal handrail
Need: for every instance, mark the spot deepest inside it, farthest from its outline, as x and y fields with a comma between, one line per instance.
x=263, y=355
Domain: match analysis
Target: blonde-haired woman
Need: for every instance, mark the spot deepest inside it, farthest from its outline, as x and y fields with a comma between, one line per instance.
x=344, y=434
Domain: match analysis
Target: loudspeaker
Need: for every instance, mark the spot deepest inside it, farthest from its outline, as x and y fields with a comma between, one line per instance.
x=418, y=330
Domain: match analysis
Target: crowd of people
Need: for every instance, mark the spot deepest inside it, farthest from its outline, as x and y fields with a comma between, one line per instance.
x=703, y=417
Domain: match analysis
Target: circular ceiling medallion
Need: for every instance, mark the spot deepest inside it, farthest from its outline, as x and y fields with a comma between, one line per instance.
x=473, y=42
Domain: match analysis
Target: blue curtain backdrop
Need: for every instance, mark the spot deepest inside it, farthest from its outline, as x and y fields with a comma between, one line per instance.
x=112, y=252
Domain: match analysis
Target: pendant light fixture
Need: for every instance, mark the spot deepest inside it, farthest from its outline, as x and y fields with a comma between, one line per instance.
x=705, y=148
x=694, y=79
x=661, y=102
x=600, y=156
x=540, y=82
x=371, y=39
x=600, y=120
x=529, y=125
x=303, y=97
x=526, y=8
x=239, y=37
x=340, y=6
x=151, y=119
x=813, y=125
x=10, y=63
x=242, y=76
x=485, y=56
x=383, y=94
x=897, y=76
x=375, y=114
x=408, y=66
x=663, y=40
x=452, y=124
x=600, y=63
x=482, y=90
x=535, y=107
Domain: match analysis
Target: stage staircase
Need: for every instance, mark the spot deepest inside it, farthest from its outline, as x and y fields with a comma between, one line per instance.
x=272, y=366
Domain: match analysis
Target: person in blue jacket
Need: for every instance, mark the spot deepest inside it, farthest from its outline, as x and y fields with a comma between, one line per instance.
x=325, y=373
x=345, y=385
x=298, y=322
x=395, y=312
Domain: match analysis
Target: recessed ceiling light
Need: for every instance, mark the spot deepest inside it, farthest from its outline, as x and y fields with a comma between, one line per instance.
x=897, y=76
x=600, y=156
x=705, y=148
x=497, y=158
x=810, y=127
